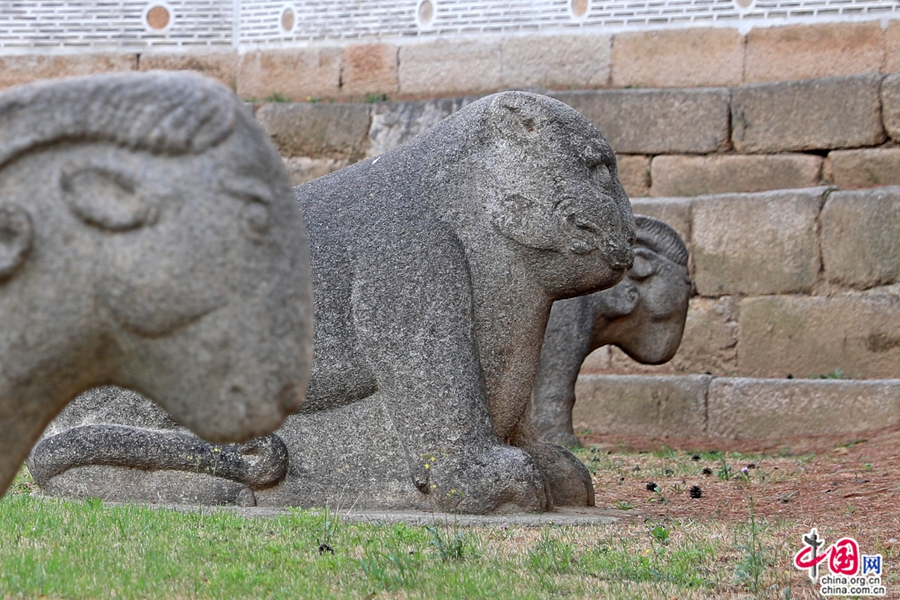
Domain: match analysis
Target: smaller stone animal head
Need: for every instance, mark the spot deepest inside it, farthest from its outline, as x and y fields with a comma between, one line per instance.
x=647, y=309
x=552, y=187
x=149, y=239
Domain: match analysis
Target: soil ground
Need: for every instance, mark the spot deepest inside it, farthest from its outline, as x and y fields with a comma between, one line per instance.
x=851, y=489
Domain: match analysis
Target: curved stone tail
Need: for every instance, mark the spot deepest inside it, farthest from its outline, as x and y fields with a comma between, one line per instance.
x=259, y=463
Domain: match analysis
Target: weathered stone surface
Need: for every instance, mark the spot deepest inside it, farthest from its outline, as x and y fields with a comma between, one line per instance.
x=122, y=484
x=816, y=114
x=808, y=51
x=892, y=47
x=17, y=70
x=423, y=364
x=114, y=427
x=764, y=243
x=556, y=61
x=302, y=169
x=890, y=105
x=596, y=362
x=861, y=237
x=676, y=212
x=643, y=315
x=717, y=174
x=317, y=130
x=701, y=57
x=447, y=67
x=709, y=343
x=634, y=172
x=662, y=406
x=863, y=168
x=761, y=410
x=672, y=121
x=810, y=336
x=300, y=73
x=156, y=248
x=369, y=68
x=710, y=337
x=394, y=123
x=221, y=66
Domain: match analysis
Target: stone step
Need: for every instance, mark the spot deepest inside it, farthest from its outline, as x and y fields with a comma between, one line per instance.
x=735, y=411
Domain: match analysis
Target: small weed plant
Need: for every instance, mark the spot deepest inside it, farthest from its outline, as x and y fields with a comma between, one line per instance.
x=449, y=545
x=276, y=97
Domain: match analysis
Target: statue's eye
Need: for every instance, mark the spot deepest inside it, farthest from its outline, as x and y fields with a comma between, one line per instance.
x=256, y=218
x=643, y=267
x=600, y=175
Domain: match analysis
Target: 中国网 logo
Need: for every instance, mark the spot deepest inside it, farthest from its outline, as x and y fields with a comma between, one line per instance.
x=850, y=573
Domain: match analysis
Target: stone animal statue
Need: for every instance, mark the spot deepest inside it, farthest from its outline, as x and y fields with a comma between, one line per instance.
x=643, y=315
x=149, y=239
x=434, y=268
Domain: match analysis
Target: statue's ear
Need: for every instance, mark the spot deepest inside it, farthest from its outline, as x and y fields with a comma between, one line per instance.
x=622, y=299
x=104, y=196
x=16, y=236
x=519, y=115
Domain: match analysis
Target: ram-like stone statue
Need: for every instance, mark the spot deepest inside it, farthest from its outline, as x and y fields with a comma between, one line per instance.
x=148, y=239
x=644, y=315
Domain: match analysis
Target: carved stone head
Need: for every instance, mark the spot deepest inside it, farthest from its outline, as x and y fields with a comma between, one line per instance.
x=648, y=307
x=149, y=239
x=552, y=187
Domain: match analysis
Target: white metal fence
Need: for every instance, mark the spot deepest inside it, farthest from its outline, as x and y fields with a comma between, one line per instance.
x=66, y=26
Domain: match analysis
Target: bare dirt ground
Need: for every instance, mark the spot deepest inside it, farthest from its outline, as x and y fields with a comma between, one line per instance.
x=850, y=489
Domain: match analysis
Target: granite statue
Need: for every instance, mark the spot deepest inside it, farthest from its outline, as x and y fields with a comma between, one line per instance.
x=644, y=315
x=434, y=268
x=148, y=239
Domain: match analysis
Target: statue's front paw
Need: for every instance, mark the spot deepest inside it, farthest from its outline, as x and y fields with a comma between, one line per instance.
x=569, y=480
x=501, y=479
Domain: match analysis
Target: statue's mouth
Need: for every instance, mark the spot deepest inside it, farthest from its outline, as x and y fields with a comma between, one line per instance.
x=589, y=237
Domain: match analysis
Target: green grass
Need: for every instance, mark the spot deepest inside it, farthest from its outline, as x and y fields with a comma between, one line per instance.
x=85, y=549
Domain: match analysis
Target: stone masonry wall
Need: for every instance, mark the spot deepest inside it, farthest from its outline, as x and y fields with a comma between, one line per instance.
x=778, y=189
x=493, y=60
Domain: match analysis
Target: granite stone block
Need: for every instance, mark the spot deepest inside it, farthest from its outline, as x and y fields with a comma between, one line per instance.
x=661, y=406
x=861, y=237
x=755, y=244
x=338, y=131
x=815, y=114
x=809, y=336
x=299, y=74
x=761, y=410
x=685, y=58
x=689, y=121
x=556, y=61
x=863, y=168
x=795, y=52
x=717, y=174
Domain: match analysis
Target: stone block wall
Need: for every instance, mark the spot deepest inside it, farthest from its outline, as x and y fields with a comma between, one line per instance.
x=792, y=283
x=678, y=142
x=425, y=64
x=777, y=188
x=735, y=412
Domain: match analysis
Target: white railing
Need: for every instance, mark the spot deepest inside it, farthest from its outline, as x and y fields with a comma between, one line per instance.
x=71, y=26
